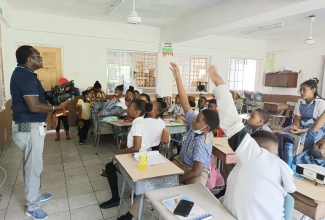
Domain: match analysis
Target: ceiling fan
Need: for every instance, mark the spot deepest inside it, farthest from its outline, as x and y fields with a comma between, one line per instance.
x=310, y=39
x=133, y=17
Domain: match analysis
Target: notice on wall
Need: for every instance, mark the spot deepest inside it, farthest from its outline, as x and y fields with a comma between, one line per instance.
x=269, y=63
x=167, y=49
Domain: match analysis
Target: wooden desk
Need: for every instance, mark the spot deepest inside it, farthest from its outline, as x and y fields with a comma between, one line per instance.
x=175, y=128
x=223, y=151
x=275, y=107
x=154, y=177
x=197, y=193
x=310, y=199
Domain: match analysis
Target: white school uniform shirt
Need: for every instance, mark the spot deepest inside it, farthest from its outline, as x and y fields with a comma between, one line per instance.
x=318, y=110
x=257, y=185
x=155, y=127
x=139, y=128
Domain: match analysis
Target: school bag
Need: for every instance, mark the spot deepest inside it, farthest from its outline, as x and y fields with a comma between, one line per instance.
x=283, y=139
x=215, y=177
x=96, y=107
x=110, y=108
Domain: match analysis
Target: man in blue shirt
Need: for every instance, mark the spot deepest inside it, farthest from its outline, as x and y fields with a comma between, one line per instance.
x=30, y=108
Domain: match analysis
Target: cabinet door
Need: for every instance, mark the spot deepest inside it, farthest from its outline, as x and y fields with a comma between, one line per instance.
x=271, y=79
x=282, y=80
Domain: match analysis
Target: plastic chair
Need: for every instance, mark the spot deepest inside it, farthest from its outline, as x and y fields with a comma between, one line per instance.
x=288, y=206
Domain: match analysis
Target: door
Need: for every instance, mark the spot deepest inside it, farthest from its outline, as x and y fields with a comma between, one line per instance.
x=51, y=71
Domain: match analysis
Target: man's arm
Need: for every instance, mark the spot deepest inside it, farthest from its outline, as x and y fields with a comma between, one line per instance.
x=34, y=105
x=319, y=122
x=135, y=148
x=181, y=91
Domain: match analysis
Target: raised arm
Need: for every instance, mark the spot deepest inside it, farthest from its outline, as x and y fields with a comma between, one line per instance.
x=181, y=91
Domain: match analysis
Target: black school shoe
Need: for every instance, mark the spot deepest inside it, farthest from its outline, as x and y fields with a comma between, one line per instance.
x=109, y=204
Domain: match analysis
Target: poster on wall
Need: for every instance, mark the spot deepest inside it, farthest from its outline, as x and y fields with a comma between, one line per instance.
x=269, y=63
x=167, y=49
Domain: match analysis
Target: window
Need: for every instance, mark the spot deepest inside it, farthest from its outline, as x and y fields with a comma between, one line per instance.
x=241, y=74
x=129, y=68
x=192, y=70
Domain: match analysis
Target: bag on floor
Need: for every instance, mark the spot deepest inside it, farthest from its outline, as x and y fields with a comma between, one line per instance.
x=215, y=177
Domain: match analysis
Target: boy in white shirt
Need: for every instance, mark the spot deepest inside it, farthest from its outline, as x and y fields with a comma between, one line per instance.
x=257, y=185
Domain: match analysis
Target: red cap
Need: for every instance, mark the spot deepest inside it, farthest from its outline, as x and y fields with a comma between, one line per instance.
x=63, y=80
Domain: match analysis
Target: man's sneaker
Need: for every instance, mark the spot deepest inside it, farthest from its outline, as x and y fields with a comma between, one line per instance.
x=37, y=214
x=45, y=197
x=81, y=142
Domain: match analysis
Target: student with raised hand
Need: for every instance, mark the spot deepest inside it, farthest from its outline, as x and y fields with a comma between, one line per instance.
x=307, y=110
x=195, y=154
x=138, y=136
x=257, y=121
x=257, y=185
x=316, y=150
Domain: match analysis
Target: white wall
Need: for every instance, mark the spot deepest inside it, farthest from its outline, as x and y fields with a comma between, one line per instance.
x=292, y=52
x=219, y=48
x=84, y=43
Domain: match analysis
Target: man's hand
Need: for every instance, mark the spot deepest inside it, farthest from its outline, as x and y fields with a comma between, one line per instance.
x=214, y=76
x=295, y=130
x=174, y=68
x=80, y=124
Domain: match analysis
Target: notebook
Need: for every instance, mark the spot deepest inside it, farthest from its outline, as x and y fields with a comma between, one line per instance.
x=197, y=213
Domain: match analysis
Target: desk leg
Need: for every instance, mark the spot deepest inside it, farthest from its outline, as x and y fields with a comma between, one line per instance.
x=121, y=198
x=98, y=136
x=140, y=207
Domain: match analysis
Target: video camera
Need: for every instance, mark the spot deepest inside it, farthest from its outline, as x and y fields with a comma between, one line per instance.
x=59, y=94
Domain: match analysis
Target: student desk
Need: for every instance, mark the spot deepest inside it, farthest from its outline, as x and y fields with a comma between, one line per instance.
x=154, y=177
x=175, y=128
x=197, y=193
x=310, y=199
x=275, y=107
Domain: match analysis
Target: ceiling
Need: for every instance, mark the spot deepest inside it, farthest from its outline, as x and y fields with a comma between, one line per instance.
x=181, y=14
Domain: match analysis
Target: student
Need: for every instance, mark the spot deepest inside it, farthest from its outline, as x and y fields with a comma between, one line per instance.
x=62, y=115
x=257, y=121
x=257, y=185
x=84, y=115
x=97, y=92
x=125, y=100
x=138, y=136
x=118, y=92
x=154, y=123
x=195, y=155
x=176, y=109
x=145, y=97
x=201, y=103
x=316, y=152
x=136, y=94
x=307, y=110
x=218, y=132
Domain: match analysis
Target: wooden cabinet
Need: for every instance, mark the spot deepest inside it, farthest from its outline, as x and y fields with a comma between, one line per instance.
x=287, y=80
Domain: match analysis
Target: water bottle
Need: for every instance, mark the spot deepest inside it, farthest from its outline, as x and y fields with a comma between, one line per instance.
x=142, y=164
x=288, y=153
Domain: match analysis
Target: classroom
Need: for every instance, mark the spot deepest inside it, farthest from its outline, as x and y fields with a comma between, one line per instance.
x=252, y=44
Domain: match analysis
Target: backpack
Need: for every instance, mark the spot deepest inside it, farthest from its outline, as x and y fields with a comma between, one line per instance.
x=215, y=178
x=283, y=139
x=110, y=108
x=96, y=107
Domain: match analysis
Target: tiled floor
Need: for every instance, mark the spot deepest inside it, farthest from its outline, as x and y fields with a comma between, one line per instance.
x=71, y=175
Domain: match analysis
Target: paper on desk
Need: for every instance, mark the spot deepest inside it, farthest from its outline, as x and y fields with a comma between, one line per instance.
x=153, y=158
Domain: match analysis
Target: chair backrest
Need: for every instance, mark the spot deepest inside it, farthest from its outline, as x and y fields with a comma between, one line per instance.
x=296, y=141
x=239, y=107
x=288, y=206
x=164, y=141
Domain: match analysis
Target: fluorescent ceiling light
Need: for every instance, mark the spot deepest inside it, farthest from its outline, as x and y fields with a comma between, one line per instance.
x=272, y=26
x=114, y=6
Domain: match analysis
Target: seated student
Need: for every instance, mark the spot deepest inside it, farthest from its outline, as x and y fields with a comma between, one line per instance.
x=218, y=132
x=98, y=93
x=176, y=109
x=202, y=102
x=145, y=97
x=136, y=94
x=138, y=136
x=316, y=151
x=195, y=155
x=257, y=185
x=118, y=92
x=154, y=123
x=125, y=101
x=257, y=121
